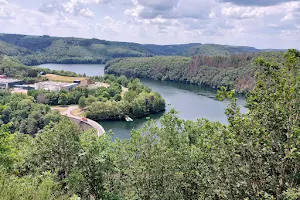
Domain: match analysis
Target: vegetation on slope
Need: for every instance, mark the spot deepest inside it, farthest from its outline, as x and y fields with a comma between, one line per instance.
x=235, y=71
x=23, y=114
x=101, y=103
x=255, y=156
x=12, y=67
x=218, y=50
x=107, y=103
x=33, y=50
x=45, y=49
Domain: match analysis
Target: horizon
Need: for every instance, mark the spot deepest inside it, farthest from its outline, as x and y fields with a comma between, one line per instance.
x=86, y=38
x=271, y=24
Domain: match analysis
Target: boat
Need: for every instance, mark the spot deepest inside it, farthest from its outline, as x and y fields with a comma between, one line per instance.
x=128, y=119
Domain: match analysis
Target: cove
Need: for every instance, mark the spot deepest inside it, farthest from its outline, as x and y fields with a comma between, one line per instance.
x=191, y=101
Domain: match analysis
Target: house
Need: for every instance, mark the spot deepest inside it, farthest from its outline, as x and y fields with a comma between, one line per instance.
x=9, y=82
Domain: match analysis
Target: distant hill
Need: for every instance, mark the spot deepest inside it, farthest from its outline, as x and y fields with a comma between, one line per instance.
x=11, y=50
x=170, y=50
x=220, y=50
x=33, y=50
x=235, y=71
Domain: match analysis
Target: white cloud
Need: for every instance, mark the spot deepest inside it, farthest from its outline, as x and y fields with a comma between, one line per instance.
x=243, y=12
x=257, y=2
x=108, y=18
x=161, y=21
x=29, y=21
x=77, y=7
x=3, y=2
x=7, y=12
x=170, y=9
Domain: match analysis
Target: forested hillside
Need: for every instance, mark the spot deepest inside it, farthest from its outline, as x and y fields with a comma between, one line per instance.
x=255, y=156
x=236, y=71
x=218, y=50
x=45, y=49
x=33, y=50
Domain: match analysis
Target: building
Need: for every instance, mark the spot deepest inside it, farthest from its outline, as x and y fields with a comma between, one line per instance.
x=69, y=86
x=54, y=86
x=9, y=82
x=25, y=87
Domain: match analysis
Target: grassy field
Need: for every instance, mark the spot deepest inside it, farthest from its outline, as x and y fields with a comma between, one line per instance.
x=58, y=78
x=78, y=112
x=60, y=109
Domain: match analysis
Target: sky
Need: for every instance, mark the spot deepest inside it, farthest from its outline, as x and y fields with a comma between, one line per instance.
x=258, y=23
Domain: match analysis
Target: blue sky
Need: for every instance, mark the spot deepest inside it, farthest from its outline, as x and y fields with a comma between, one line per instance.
x=259, y=23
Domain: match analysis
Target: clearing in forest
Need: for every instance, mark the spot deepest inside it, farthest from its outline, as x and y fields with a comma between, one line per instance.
x=54, y=77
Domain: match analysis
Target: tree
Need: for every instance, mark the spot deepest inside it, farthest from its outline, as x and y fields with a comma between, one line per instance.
x=266, y=147
x=82, y=102
x=63, y=99
x=56, y=149
x=6, y=149
x=118, y=97
x=96, y=168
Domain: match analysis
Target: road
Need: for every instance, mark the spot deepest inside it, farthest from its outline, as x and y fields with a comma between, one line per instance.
x=95, y=125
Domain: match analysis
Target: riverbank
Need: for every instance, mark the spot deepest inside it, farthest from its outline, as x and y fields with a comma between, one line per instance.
x=191, y=101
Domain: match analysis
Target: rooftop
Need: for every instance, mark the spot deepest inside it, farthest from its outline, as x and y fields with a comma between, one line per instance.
x=8, y=80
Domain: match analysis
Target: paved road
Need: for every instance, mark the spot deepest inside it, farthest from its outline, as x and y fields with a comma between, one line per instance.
x=95, y=125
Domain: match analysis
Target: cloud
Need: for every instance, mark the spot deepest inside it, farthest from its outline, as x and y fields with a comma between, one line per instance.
x=243, y=12
x=50, y=7
x=3, y=2
x=33, y=22
x=76, y=7
x=158, y=5
x=161, y=21
x=170, y=9
x=257, y=2
x=70, y=23
x=6, y=12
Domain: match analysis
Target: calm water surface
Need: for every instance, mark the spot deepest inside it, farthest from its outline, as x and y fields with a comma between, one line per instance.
x=191, y=101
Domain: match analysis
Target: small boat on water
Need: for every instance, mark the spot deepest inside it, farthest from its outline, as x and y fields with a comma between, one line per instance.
x=128, y=119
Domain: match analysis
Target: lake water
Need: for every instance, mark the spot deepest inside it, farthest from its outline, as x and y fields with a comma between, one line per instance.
x=191, y=101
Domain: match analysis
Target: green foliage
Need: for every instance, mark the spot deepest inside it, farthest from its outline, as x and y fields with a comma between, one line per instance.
x=255, y=156
x=95, y=167
x=6, y=149
x=12, y=67
x=44, y=49
x=11, y=50
x=27, y=188
x=107, y=103
x=138, y=101
x=218, y=50
x=33, y=50
x=61, y=154
x=82, y=102
x=235, y=71
x=24, y=114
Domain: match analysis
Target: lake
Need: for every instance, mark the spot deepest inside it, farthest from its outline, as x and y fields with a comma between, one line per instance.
x=191, y=101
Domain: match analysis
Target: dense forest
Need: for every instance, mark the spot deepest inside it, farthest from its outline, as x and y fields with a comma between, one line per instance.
x=255, y=156
x=235, y=72
x=33, y=50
